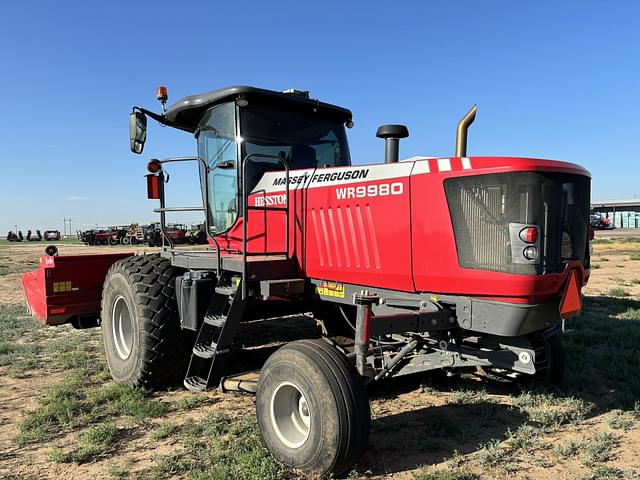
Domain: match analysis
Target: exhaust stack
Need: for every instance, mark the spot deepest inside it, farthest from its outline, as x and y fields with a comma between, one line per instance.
x=461, y=132
x=392, y=135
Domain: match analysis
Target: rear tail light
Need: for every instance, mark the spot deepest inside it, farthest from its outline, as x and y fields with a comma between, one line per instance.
x=529, y=234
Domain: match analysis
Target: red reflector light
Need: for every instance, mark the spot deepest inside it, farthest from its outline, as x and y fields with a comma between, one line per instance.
x=571, y=303
x=57, y=311
x=153, y=187
x=529, y=234
x=592, y=233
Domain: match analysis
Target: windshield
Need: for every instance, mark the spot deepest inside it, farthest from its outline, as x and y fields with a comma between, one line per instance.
x=303, y=140
x=217, y=146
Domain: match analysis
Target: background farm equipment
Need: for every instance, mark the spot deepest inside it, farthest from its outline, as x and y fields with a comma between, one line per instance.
x=118, y=235
x=196, y=235
x=177, y=233
x=429, y=263
x=601, y=222
x=31, y=238
x=52, y=235
x=13, y=237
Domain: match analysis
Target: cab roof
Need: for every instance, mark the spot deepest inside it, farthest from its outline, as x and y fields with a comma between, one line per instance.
x=186, y=113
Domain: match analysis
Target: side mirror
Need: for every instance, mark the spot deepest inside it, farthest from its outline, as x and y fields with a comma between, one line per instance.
x=137, y=131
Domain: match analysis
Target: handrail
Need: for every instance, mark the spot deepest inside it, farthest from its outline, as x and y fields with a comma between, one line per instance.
x=179, y=209
x=245, y=210
x=163, y=209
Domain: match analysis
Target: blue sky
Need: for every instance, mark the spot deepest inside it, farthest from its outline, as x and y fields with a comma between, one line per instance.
x=556, y=80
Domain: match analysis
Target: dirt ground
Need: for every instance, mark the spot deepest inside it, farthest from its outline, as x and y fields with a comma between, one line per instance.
x=426, y=427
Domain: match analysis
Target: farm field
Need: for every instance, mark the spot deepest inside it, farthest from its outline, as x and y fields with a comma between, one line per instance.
x=62, y=417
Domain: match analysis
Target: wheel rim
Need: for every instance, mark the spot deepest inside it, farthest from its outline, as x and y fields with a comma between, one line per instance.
x=290, y=415
x=122, y=327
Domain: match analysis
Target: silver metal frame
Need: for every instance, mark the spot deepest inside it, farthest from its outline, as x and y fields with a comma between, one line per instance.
x=246, y=208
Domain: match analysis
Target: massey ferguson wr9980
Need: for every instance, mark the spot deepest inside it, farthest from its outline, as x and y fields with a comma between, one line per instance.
x=429, y=263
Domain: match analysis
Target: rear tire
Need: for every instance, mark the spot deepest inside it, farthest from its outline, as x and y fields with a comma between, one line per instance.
x=143, y=342
x=113, y=241
x=125, y=240
x=312, y=408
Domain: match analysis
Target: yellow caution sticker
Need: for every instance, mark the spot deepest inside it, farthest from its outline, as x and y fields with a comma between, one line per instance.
x=331, y=289
x=61, y=287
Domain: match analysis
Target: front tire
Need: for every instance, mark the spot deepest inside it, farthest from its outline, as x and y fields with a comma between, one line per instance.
x=312, y=408
x=143, y=342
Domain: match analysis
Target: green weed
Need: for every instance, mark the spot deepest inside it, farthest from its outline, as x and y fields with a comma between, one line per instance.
x=550, y=411
x=188, y=402
x=567, y=450
x=219, y=447
x=467, y=397
x=445, y=475
x=618, y=292
x=116, y=399
x=620, y=420
x=491, y=453
x=164, y=430
x=95, y=442
x=608, y=473
x=599, y=448
x=525, y=437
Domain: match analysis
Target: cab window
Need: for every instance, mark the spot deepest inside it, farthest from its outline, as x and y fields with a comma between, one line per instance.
x=217, y=146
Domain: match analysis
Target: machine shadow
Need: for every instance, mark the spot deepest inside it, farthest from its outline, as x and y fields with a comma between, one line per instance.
x=410, y=439
x=602, y=369
x=603, y=354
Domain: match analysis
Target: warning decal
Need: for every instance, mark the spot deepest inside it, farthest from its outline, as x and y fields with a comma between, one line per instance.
x=331, y=289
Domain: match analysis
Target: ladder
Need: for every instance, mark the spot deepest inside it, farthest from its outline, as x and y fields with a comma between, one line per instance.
x=215, y=337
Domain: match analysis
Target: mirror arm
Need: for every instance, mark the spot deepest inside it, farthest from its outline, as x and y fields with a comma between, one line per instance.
x=155, y=116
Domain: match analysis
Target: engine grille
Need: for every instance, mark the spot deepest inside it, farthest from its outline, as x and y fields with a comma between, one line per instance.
x=483, y=206
x=480, y=210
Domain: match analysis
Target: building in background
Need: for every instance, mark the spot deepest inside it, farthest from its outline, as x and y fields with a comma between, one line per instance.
x=623, y=213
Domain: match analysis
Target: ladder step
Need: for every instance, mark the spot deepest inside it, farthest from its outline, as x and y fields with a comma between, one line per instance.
x=226, y=290
x=204, y=351
x=195, y=384
x=215, y=320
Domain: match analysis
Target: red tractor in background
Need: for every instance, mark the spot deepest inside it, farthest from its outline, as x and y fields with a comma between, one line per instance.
x=428, y=263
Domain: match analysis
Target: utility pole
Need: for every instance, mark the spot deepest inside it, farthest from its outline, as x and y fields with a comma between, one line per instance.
x=65, y=220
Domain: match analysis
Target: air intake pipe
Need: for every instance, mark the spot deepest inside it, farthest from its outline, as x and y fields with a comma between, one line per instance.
x=461, y=132
x=392, y=135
